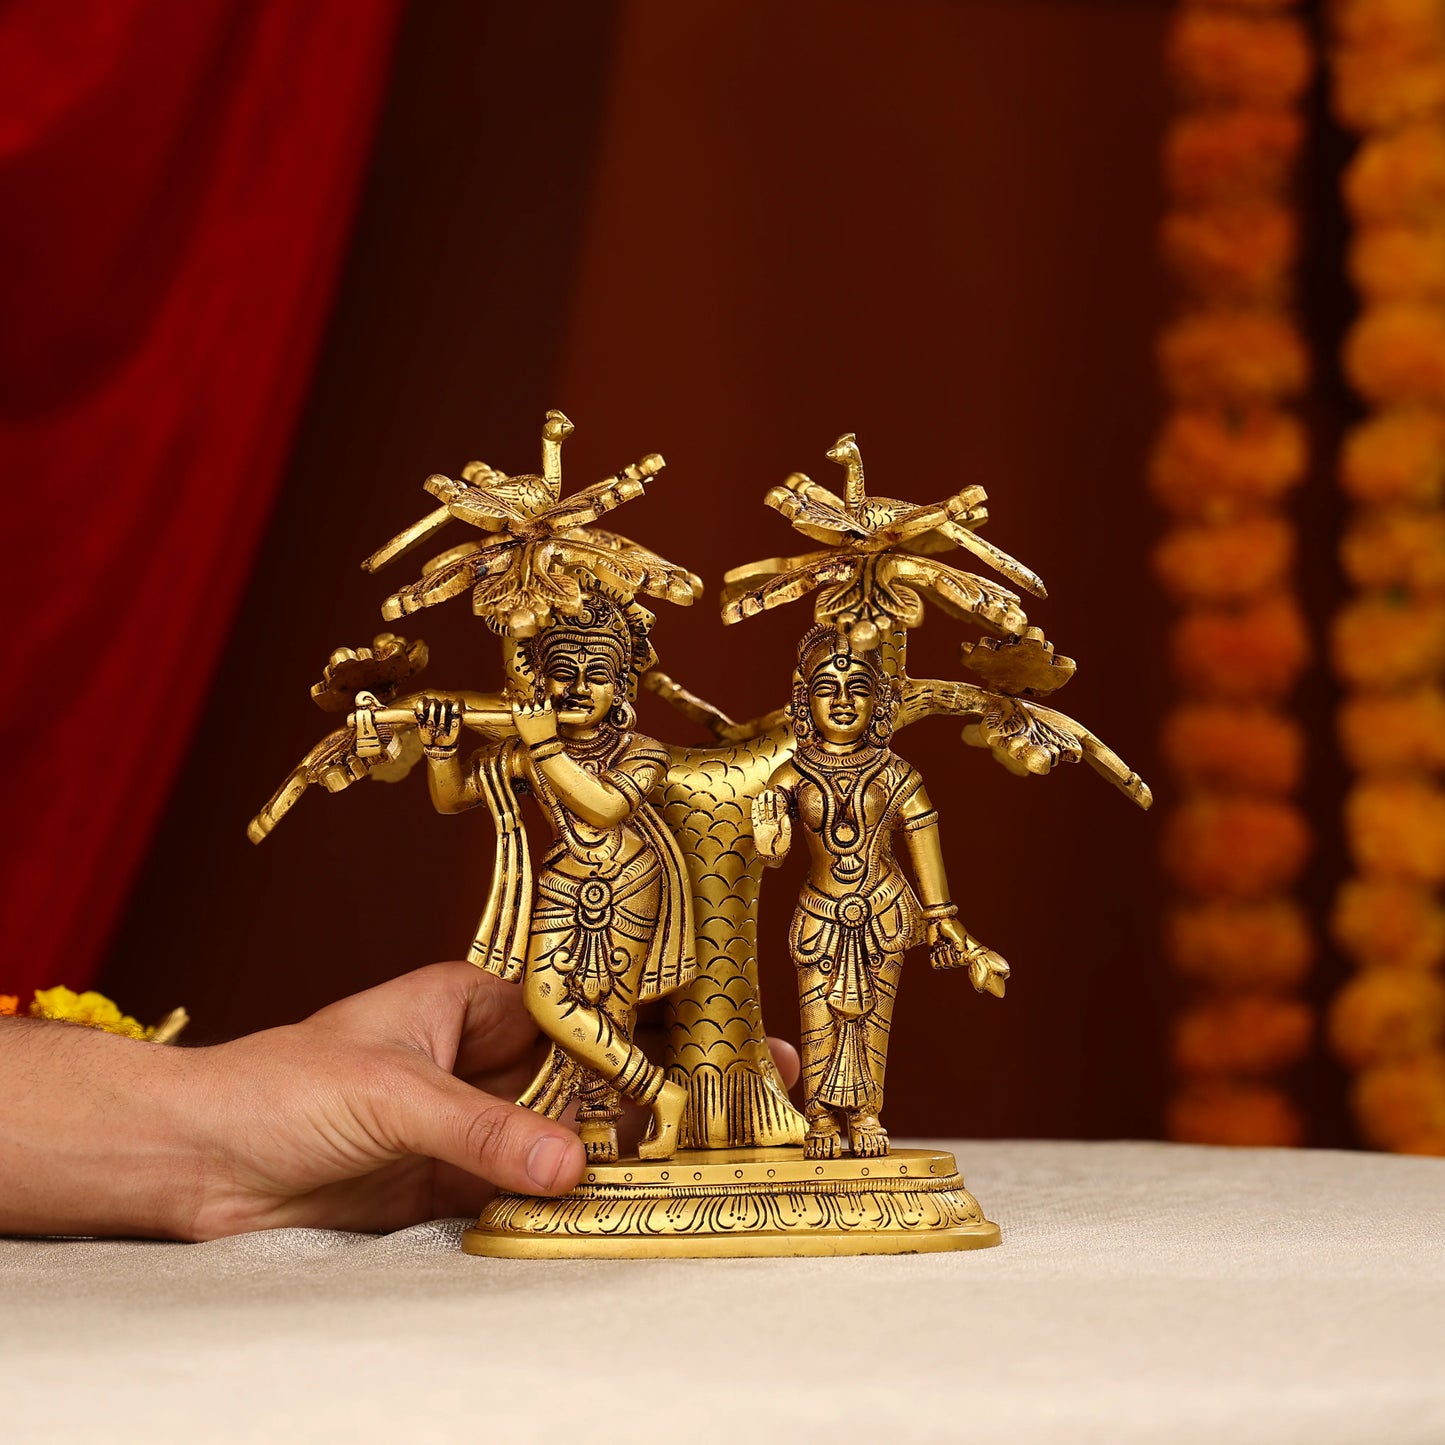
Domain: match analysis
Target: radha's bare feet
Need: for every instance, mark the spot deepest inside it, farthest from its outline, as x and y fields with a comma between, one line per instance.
x=823, y=1140
x=869, y=1137
x=668, y=1107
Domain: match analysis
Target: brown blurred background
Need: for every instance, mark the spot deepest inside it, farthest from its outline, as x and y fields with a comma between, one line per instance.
x=729, y=233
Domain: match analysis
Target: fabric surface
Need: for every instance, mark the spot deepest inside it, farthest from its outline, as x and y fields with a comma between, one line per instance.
x=177, y=181
x=1143, y=1292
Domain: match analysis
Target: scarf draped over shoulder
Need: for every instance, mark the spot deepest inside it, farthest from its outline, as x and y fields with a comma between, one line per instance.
x=500, y=945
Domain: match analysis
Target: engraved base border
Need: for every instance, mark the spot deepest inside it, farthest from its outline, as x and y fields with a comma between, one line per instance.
x=730, y=1203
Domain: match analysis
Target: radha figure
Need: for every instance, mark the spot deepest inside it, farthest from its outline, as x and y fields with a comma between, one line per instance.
x=608, y=921
x=857, y=914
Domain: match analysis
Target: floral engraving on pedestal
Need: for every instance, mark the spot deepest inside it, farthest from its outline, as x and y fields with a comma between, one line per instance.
x=835, y=1205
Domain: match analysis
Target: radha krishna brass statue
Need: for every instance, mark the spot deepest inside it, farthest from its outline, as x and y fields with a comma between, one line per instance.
x=649, y=888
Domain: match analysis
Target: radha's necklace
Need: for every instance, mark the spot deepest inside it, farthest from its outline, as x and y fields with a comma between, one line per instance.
x=842, y=781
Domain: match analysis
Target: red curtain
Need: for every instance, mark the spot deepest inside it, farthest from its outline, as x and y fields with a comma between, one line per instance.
x=177, y=179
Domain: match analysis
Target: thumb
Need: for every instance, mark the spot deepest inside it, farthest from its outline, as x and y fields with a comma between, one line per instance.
x=477, y=1132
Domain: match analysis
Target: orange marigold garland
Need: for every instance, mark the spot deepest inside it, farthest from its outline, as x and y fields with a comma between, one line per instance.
x=1233, y=362
x=1387, y=1024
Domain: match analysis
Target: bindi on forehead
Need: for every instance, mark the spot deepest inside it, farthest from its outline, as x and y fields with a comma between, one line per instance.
x=847, y=667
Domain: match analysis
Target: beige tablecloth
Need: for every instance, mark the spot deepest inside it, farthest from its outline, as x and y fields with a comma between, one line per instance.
x=1144, y=1292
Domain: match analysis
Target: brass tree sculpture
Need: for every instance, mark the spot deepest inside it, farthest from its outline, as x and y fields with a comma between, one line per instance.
x=539, y=557
x=537, y=549
x=872, y=577
x=876, y=565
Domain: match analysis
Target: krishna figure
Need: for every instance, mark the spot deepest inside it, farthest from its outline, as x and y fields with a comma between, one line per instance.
x=608, y=922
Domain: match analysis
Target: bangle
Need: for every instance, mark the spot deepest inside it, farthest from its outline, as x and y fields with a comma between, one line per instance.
x=547, y=748
x=440, y=752
x=936, y=912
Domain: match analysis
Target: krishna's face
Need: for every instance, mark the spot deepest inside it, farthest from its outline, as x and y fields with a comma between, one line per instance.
x=841, y=696
x=581, y=684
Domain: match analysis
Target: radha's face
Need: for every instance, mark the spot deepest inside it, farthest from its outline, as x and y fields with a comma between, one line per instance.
x=581, y=686
x=841, y=698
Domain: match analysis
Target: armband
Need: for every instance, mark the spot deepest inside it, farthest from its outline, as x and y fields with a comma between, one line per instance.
x=922, y=820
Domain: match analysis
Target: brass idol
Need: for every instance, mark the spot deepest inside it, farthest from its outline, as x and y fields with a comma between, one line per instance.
x=649, y=886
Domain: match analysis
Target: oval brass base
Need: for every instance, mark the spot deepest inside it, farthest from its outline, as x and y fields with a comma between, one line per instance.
x=743, y=1202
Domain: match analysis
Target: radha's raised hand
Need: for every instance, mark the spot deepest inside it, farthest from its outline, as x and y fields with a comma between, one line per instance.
x=772, y=828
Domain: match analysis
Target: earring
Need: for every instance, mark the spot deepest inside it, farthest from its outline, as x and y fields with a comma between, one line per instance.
x=623, y=716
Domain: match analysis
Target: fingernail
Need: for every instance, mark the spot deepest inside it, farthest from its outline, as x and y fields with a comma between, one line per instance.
x=546, y=1162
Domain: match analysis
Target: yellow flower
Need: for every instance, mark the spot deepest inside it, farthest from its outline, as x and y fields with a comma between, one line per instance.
x=92, y=1010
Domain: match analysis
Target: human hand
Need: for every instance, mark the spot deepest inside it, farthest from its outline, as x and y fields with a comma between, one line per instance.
x=385, y=1109
x=381, y=1111
x=535, y=720
x=439, y=725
